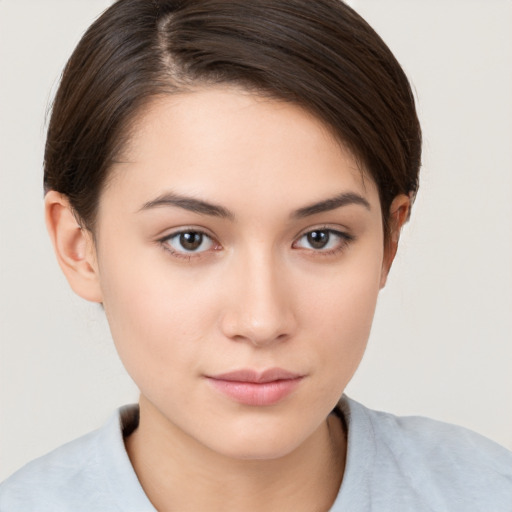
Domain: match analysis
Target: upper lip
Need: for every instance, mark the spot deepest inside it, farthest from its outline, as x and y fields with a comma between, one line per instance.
x=257, y=377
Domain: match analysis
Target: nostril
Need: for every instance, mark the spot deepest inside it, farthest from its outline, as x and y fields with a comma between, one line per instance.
x=238, y=327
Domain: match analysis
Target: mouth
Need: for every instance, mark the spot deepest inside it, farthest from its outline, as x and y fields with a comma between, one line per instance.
x=250, y=387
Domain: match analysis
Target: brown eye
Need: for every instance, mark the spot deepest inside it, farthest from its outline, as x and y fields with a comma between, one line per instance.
x=186, y=242
x=191, y=241
x=325, y=241
x=318, y=239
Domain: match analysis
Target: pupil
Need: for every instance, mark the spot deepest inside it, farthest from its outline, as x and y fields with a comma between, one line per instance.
x=191, y=240
x=318, y=239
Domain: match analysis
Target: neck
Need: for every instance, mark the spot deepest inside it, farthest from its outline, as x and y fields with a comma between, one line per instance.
x=179, y=473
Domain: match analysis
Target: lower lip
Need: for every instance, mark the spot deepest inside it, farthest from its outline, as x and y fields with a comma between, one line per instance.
x=254, y=393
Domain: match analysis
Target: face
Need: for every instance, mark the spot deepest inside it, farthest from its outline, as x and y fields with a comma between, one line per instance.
x=239, y=254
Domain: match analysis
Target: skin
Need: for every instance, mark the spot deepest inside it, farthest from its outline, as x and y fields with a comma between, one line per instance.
x=255, y=294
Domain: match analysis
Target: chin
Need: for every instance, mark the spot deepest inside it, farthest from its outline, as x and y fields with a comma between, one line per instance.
x=258, y=449
x=257, y=440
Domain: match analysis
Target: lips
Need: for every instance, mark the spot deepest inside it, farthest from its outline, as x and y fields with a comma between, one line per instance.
x=250, y=387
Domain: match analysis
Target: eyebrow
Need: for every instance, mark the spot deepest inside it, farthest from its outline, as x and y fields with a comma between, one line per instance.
x=189, y=203
x=344, y=199
x=205, y=208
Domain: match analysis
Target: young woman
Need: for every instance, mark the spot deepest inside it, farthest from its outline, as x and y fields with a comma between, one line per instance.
x=229, y=180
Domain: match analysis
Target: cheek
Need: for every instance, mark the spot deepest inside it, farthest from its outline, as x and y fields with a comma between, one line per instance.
x=158, y=320
x=343, y=311
x=165, y=320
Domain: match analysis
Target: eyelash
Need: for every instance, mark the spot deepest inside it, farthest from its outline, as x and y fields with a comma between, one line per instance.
x=182, y=254
x=345, y=240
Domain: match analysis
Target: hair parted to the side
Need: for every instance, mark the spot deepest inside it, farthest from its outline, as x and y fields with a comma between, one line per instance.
x=319, y=55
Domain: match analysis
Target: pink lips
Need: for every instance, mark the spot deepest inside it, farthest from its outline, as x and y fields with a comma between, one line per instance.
x=250, y=387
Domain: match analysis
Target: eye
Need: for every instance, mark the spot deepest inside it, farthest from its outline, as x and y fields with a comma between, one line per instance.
x=189, y=242
x=323, y=240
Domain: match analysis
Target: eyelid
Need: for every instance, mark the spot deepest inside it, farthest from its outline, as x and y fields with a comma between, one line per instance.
x=337, y=229
x=345, y=239
x=163, y=241
x=344, y=236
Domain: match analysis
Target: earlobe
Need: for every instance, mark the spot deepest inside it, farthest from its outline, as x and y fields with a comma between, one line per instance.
x=74, y=247
x=398, y=214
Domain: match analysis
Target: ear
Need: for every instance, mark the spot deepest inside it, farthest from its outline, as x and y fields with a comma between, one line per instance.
x=74, y=247
x=398, y=214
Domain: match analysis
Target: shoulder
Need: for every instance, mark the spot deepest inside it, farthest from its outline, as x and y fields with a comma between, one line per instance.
x=58, y=478
x=449, y=466
x=440, y=445
x=82, y=475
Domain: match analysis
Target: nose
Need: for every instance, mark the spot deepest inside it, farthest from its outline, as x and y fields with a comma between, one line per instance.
x=259, y=305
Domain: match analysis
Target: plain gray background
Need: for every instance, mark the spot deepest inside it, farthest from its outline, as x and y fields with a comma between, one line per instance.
x=442, y=339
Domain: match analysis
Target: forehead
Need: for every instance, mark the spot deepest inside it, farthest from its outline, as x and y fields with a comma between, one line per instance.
x=237, y=148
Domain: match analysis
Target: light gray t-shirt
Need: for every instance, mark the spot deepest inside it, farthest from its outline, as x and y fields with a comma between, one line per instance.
x=393, y=464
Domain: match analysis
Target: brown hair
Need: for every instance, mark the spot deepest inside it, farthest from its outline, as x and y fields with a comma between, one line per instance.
x=320, y=55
